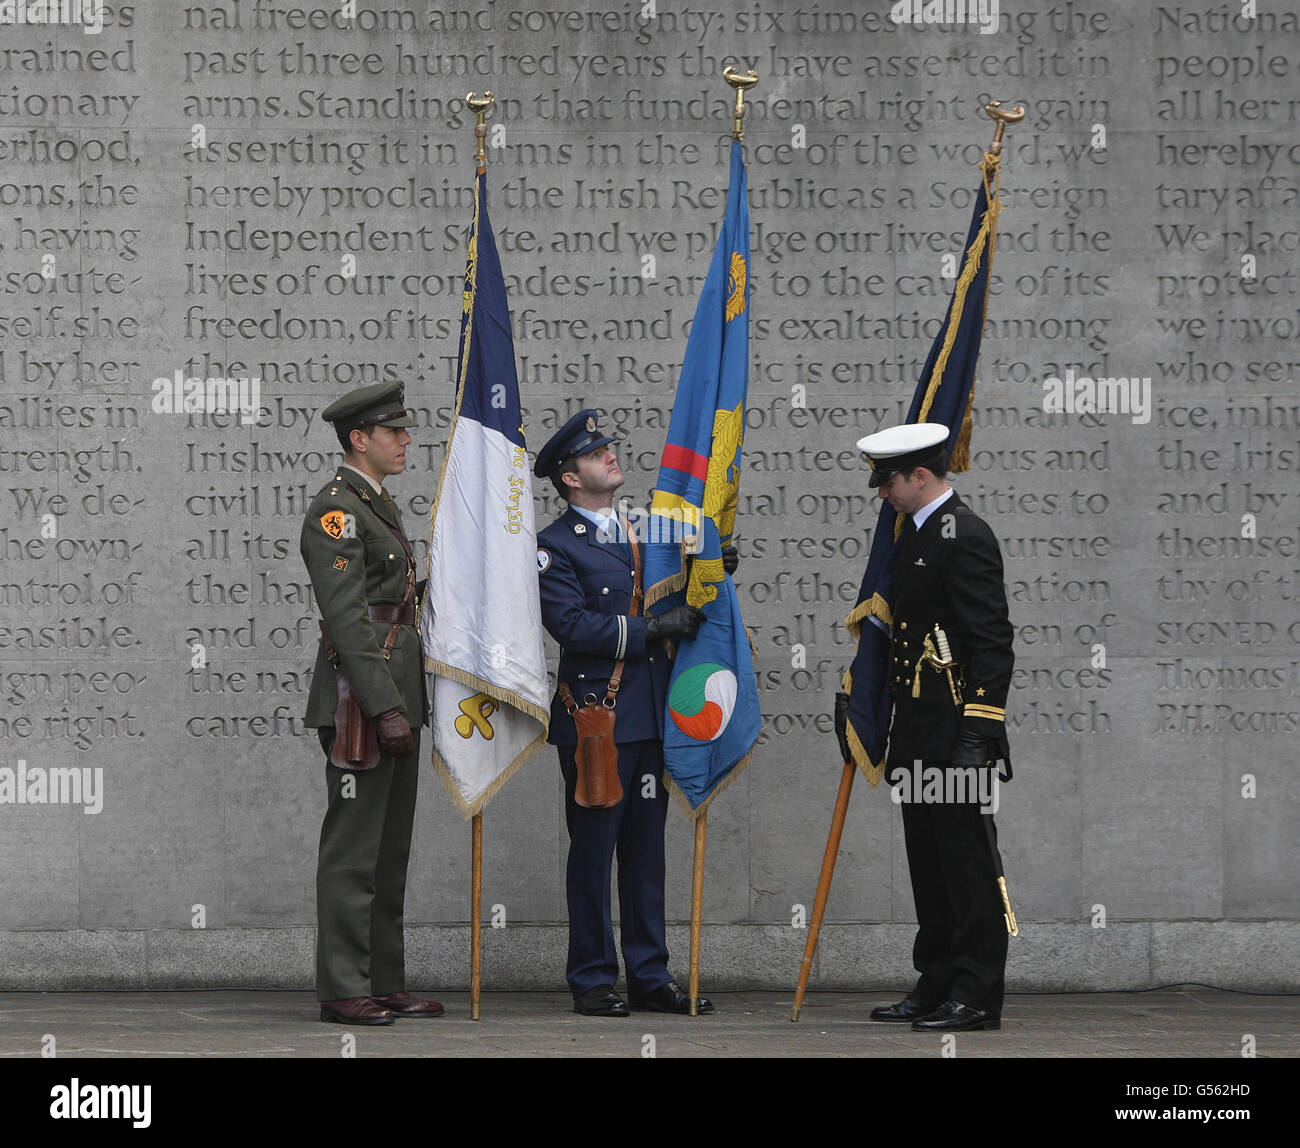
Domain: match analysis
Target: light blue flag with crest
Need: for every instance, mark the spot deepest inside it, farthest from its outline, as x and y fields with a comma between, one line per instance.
x=713, y=717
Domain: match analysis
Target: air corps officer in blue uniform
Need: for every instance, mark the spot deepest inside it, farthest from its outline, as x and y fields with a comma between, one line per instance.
x=585, y=565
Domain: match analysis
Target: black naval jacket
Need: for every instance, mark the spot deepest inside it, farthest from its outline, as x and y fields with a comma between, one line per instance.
x=950, y=573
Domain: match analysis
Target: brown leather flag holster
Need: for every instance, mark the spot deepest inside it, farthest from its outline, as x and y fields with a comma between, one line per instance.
x=356, y=745
x=596, y=753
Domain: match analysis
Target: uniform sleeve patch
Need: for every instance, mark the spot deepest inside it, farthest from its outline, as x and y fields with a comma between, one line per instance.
x=332, y=523
x=340, y=563
x=543, y=561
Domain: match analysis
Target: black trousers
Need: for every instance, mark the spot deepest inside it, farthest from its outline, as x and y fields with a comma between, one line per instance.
x=961, y=939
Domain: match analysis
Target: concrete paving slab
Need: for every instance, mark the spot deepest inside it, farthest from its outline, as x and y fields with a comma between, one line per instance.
x=1173, y=1024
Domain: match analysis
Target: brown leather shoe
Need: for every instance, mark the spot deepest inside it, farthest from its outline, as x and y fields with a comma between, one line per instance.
x=405, y=1004
x=355, y=1010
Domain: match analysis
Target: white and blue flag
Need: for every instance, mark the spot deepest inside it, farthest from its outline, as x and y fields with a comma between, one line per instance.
x=481, y=623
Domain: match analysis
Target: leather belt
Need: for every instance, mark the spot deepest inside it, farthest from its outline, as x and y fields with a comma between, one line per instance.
x=398, y=615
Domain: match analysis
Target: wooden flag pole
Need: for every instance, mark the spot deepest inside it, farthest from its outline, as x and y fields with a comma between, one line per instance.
x=824, y=883
x=480, y=106
x=476, y=917
x=697, y=907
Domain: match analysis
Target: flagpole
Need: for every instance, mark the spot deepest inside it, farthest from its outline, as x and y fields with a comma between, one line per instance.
x=480, y=106
x=993, y=109
x=697, y=906
x=476, y=915
x=741, y=82
x=824, y=882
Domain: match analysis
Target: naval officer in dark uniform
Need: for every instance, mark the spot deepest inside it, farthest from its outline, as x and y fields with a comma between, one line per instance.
x=585, y=567
x=947, y=574
x=363, y=576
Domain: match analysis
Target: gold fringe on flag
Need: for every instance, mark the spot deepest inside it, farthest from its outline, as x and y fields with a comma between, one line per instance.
x=960, y=461
x=986, y=236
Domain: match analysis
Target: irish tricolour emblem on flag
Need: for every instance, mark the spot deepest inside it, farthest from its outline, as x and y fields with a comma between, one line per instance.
x=702, y=700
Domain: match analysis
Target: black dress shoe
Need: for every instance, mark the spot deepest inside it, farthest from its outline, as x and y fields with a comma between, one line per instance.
x=356, y=1010
x=600, y=1001
x=906, y=1009
x=669, y=998
x=953, y=1016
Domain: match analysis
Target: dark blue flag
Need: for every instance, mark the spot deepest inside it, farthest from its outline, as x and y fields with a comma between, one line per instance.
x=943, y=395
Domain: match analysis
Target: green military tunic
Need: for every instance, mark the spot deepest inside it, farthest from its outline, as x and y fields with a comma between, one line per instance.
x=356, y=560
x=356, y=552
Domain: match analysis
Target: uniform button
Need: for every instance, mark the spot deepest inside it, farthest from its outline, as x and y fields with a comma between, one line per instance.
x=604, y=589
x=392, y=556
x=652, y=659
x=903, y=625
x=582, y=675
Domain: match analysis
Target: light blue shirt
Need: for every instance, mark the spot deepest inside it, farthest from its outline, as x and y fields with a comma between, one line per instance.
x=918, y=519
x=608, y=527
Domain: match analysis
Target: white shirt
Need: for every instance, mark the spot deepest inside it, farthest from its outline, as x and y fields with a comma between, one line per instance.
x=375, y=486
x=918, y=519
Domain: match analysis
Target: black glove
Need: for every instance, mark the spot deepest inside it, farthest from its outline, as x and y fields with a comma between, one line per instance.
x=679, y=622
x=394, y=733
x=842, y=724
x=730, y=559
x=974, y=749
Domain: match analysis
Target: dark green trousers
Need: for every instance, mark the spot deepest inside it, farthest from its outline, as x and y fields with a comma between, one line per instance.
x=365, y=840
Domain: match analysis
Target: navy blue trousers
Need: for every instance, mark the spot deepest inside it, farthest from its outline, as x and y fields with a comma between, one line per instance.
x=634, y=831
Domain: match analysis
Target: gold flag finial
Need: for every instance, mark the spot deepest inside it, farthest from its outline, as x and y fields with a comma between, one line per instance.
x=993, y=109
x=480, y=106
x=742, y=82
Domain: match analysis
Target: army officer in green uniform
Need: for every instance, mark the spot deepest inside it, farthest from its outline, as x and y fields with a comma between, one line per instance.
x=363, y=574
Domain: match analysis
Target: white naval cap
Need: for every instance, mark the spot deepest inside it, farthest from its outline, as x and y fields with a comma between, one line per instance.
x=901, y=448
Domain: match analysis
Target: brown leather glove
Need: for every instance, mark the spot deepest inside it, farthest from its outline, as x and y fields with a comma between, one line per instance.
x=394, y=733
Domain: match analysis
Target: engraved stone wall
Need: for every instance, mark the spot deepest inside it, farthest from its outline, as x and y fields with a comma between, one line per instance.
x=272, y=190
